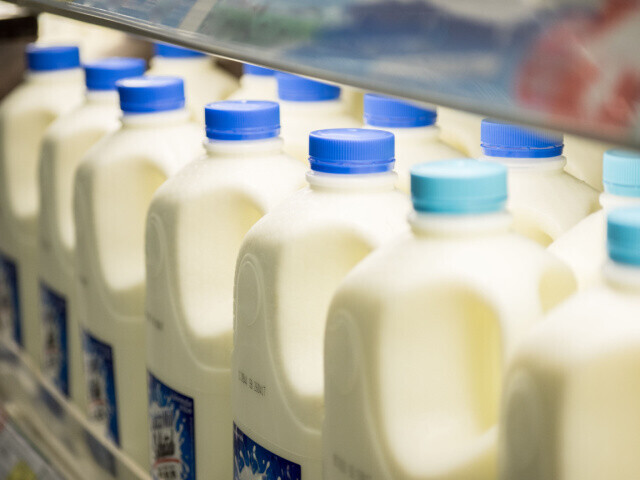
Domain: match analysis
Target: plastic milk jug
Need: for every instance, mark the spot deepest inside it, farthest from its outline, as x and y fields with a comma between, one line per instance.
x=113, y=189
x=570, y=408
x=583, y=247
x=413, y=126
x=418, y=334
x=64, y=144
x=196, y=223
x=307, y=105
x=53, y=85
x=256, y=83
x=461, y=130
x=584, y=159
x=289, y=265
x=545, y=200
x=204, y=81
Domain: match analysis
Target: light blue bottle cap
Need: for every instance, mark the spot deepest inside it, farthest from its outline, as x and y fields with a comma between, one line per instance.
x=499, y=139
x=103, y=74
x=459, y=187
x=173, y=51
x=623, y=235
x=242, y=120
x=299, y=89
x=249, y=69
x=381, y=111
x=351, y=151
x=621, y=173
x=150, y=94
x=49, y=58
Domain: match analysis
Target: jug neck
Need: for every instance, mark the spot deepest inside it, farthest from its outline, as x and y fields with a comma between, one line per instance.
x=66, y=75
x=622, y=277
x=528, y=165
x=245, y=148
x=469, y=225
x=323, y=107
x=429, y=133
x=371, y=182
x=155, y=119
x=609, y=201
x=102, y=97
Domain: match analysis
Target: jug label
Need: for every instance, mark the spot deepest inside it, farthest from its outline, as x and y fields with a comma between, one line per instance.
x=101, y=385
x=10, y=326
x=253, y=461
x=172, y=430
x=55, y=359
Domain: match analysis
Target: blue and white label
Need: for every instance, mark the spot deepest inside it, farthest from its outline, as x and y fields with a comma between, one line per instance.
x=254, y=462
x=172, y=433
x=55, y=351
x=101, y=385
x=10, y=319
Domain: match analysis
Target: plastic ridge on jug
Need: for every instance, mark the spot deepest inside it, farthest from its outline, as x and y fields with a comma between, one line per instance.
x=413, y=126
x=113, y=189
x=460, y=130
x=570, y=409
x=64, y=144
x=583, y=247
x=545, y=200
x=289, y=265
x=256, y=83
x=195, y=226
x=419, y=332
x=53, y=85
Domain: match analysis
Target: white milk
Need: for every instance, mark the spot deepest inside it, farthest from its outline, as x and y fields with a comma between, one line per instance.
x=256, y=83
x=584, y=159
x=113, y=190
x=418, y=334
x=570, y=409
x=53, y=85
x=307, y=105
x=461, y=130
x=204, y=81
x=289, y=265
x=583, y=247
x=195, y=226
x=64, y=144
x=545, y=200
x=353, y=100
x=417, y=138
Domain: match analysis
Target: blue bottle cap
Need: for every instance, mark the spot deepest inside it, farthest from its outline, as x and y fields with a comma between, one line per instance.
x=42, y=58
x=457, y=187
x=621, y=173
x=351, y=150
x=103, y=74
x=173, y=51
x=249, y=69
x=150, y=94
x=242, y=120
x=623, y=235
x=299, y=89
x=381, y=111
x=501, y=139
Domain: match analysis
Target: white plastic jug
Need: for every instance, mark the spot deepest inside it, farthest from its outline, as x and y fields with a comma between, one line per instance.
x=413, y=126
x=204, y=81
x=256, y=83
x=307, y=105
x=289, y=265
x=545, y=200
x=570, y=409
x=195, y=226
x=64, y=144
x=53, y=85
x=113, y=190
x=460, y=130
x=418, y=334
x=583, y=247
x=584, y=159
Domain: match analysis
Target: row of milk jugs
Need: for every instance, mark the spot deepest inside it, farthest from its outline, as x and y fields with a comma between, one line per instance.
x=220, y=312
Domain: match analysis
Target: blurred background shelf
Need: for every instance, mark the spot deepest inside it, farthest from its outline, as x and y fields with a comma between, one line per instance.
x=573, y=65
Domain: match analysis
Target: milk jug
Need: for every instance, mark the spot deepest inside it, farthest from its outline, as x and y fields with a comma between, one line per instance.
x=583, y=247
x=256, y=83
x=113, y=189
x=414, y=129
x=584, y=159
x=289, y=265
x=545, y=200
x=461, y=130
x=572, y=393
x=204, y=81
x=307, y=105
x=195, y=226
x=53, y=85
x=64, y=144
x=418, y=334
